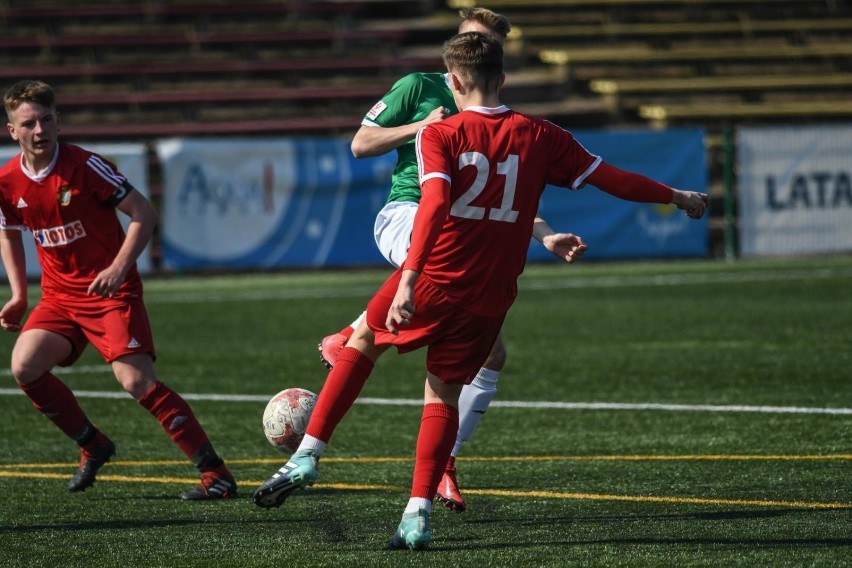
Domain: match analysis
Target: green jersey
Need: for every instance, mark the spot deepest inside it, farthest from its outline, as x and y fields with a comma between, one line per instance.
x=410, y=99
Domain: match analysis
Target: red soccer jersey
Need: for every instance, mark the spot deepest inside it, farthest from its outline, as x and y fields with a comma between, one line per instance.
x=70, y=210
x=498, y=163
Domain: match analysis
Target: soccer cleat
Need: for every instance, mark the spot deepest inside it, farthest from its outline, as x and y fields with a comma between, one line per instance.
x=90, y=462
x=299, y=471
x=215, y=484
x=448, y=490
x=330, y=348
x=413, y=532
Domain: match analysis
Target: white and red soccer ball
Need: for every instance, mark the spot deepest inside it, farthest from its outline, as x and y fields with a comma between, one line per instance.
x=286, y=418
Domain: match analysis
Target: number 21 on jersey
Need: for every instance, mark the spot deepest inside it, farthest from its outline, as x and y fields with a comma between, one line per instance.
x=462, y=207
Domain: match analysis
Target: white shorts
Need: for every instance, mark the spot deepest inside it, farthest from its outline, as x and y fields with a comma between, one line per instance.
x=392, y=230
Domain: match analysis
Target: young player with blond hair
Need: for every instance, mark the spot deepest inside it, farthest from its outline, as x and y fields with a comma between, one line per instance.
x=482, y=173
x=67, y=198
x=414, y=101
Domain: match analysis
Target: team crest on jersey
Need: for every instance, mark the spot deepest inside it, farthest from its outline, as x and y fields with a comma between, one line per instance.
x=64, y=195
x=376, y=110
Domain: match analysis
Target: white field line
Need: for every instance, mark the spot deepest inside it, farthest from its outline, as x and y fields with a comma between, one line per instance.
x=498, y=403
x=570, y=281
x=532, y=284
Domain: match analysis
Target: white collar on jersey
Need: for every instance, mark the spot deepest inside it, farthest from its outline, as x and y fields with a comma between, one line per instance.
x=38, y=176
x=488, y=110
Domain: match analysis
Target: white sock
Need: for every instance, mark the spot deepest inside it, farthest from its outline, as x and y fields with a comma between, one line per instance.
x=358, y=320
x=473, y=402
x=417, y=503
x=315, y=445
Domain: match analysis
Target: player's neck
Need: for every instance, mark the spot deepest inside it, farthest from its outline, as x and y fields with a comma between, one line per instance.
x=478, y=99
x=38, y=162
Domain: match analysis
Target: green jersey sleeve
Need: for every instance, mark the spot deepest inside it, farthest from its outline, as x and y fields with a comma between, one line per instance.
x=411, y=99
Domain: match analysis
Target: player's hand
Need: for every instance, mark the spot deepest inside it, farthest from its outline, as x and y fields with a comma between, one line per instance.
x=693, y=202
x=402, y=308
x=567, y=246
x=436, y=115
x=12, y=313
x=106, y=283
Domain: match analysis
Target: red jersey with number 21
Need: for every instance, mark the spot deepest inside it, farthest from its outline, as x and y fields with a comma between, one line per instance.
x=497, y=163
x=70, y=210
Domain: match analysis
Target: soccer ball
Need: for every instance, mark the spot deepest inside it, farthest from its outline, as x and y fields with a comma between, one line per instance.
x=286, y=418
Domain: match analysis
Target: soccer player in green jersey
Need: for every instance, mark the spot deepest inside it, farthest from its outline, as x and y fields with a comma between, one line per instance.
x=414, y=101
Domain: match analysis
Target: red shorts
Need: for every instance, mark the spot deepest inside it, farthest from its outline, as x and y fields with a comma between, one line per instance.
x=458, y=341
x=113, y=327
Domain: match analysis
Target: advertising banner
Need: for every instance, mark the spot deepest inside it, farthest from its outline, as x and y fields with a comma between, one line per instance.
x=795, y=189
x=242, y=204
x=617, y=229
x=245, y=204
x=130, y=159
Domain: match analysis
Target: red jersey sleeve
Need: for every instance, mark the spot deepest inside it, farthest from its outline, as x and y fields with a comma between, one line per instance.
x=629, y=186
x=569, y=164
x=110, y=185
x=435, y=197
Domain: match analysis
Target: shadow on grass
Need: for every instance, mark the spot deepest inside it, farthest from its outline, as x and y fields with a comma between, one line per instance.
x=582, y=526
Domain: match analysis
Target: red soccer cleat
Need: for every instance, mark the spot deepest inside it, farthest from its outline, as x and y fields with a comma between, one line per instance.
x=330, y=348
x=448, y=490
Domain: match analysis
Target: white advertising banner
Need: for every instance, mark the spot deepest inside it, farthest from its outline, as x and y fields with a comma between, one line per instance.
x=131, y=160
x=795, y=189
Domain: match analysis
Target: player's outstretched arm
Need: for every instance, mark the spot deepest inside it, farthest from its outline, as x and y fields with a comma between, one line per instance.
x=14, y=259
x=372, y=141
x=567, y=246
x=631, y=186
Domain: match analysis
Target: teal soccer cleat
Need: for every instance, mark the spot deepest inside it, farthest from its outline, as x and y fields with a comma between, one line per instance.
x=413, y=532
x=299, y=472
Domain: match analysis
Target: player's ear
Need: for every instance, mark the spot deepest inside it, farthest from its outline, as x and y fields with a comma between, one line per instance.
x=502, y=80
x=456, y=83
x=11, y=128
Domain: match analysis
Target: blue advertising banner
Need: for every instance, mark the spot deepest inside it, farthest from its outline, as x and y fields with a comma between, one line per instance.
x=294, y=203
x=617, y=229
x=269, y=203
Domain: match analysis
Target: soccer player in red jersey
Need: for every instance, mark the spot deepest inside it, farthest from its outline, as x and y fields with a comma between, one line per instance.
x=91, y=290
x=482, y=173
x=414, y=101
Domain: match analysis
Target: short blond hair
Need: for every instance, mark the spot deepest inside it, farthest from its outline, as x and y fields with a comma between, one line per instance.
x=476, y=58
x=492, y=20
x=28, y=91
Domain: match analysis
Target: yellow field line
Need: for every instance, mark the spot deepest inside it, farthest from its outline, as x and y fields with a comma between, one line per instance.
x=561, y=495
x=657, y=499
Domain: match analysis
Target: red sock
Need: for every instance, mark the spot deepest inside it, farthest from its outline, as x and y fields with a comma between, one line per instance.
x=347, y=331
x=176, y=418
x=342, y=387
x=438, y=428
x=54, y=399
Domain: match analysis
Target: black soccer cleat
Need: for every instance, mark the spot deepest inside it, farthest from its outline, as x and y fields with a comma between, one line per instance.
x=215, y=484
x=91, y=462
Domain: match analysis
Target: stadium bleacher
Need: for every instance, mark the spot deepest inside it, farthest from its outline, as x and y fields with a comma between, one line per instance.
x=314, y=66
x=127, y=69
x=147, y=69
